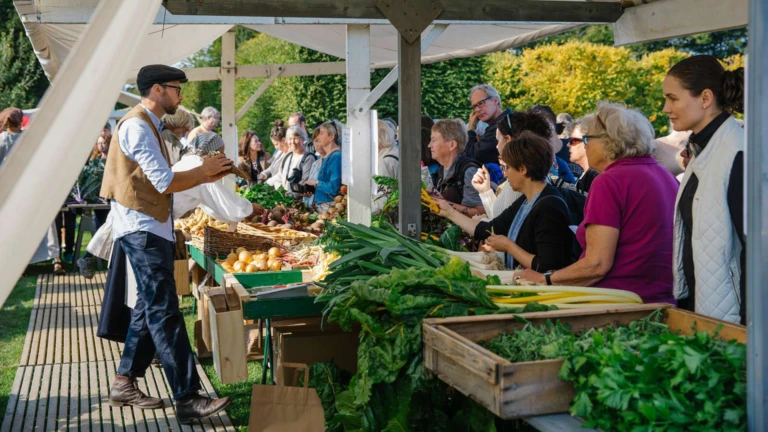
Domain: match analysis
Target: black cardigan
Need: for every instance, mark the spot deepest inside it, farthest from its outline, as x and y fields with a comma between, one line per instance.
x=545, y=233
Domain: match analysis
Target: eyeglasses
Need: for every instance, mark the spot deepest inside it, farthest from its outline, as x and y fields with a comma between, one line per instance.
x=586, y=138
x=575, y=141
x=503, y=167
x=178, y=88
x=480, y=104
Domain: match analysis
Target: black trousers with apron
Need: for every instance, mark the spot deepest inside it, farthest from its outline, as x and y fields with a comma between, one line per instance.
x=156, y=322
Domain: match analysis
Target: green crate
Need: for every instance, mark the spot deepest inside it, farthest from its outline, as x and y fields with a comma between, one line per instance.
x=198, y=256
x=297, y=307
x=251, y=280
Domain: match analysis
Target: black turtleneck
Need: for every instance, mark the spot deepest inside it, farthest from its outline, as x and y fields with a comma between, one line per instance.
x=735, y=198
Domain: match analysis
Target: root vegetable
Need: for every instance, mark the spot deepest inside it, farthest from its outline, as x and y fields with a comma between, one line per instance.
x=337, y=199
x=275, y=253
x=272, y=223
x=239, y=266
x=240, y=249
x=245, y=257
x=276, y=266
x=262, y=265
x=340, y=207
x=252, y=268
x=231, y=258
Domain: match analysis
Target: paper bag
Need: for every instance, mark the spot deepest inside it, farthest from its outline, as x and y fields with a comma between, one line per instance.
x=101, y=243
x=286, y=409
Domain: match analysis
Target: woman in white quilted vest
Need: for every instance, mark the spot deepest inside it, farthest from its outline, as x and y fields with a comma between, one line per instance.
x=709, y=246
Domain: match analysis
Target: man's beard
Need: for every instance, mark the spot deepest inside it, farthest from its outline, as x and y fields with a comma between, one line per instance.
x=168, y=106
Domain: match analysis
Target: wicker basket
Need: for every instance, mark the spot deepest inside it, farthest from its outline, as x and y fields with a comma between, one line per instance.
x=216, y=242
x=275, y=234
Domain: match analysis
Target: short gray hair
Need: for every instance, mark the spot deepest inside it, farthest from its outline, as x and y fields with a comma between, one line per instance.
x=386, y=134
x=297, y=130
x=209, y=112
x=452, y=130
x=488, y=89
x=628, y=132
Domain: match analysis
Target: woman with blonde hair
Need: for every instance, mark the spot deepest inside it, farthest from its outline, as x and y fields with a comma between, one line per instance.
x=177, y=126
x=627, y=231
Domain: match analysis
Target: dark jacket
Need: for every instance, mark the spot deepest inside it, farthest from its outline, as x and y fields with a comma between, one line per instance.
x=544, y=233
x=585, y=182
x=484, y=150
x=115, y=316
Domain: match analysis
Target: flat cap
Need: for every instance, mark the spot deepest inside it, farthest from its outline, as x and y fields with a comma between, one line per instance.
x=159, y=74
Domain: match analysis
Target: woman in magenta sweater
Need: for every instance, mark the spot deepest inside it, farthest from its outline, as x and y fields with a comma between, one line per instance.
x=627, y=232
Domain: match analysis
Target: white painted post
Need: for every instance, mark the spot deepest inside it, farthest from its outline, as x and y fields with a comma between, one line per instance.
x=228, y=129
x=358, y=87
x=38, y=174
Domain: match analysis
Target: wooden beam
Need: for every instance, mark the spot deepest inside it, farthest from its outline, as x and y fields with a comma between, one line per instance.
x=458, y=10
x=661, y=19
x=228, y=70
x=409, y=97
x=260, y=91
x=360, y=148
x=392, y=76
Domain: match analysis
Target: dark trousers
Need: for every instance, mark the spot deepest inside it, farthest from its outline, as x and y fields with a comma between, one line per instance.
x=68, y=221
x=156, y=322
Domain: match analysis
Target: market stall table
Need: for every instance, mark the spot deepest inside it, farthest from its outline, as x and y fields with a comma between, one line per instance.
x=261, y=309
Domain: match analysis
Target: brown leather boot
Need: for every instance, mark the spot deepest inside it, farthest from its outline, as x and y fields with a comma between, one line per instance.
x=195, y=407
x=125, y=391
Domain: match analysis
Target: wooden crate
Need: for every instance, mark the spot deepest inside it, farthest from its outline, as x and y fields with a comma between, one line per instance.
x=181, y=276
x=227, y=336
x=516, y=390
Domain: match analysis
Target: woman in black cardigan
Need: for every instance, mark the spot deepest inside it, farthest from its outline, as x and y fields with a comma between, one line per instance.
x=534, y=231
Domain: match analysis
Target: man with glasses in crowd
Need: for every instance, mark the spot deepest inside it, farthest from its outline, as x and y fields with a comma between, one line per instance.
x=210, y=119
x=139, y=183
x=578, y=152
x=486, y=107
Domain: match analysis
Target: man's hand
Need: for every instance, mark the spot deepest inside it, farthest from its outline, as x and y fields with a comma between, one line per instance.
x=215, y=165
x=473, y=119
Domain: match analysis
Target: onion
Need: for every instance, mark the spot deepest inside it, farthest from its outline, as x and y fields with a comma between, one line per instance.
x=276, y=266
x=262, y=265
x=245, y=257
x=337, y=199
x=240, y=249
x=239, y=266
x=251, y=268
x=275, y=253
x=231, y=258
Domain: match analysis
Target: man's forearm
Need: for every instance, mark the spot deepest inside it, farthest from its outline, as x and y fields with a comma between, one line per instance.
x=186, y=180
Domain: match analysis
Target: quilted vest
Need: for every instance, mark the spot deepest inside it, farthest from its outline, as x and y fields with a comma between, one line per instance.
x=716, y=245
x=126, y=183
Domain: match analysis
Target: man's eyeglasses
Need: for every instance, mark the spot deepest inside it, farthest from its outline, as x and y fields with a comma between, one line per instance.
x=480, y=104
x=178, y=88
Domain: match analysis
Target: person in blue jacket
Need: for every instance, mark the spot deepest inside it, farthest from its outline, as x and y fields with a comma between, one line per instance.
x=328, y=182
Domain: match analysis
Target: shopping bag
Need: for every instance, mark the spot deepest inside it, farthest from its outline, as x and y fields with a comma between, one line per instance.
x=286, y=409
x=101, y=243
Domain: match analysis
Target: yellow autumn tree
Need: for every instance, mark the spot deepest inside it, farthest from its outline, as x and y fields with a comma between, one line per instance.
x=574, y=76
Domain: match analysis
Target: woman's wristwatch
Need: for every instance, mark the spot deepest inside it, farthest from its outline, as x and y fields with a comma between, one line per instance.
x=548, y=277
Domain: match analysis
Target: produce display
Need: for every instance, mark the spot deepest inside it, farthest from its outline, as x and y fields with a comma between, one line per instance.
x=641, y=376
x=197, y=221
x=563, y=296
x=265, y=195
x=244, y=261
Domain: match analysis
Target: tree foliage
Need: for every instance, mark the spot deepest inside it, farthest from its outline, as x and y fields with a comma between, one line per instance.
x=22, y=81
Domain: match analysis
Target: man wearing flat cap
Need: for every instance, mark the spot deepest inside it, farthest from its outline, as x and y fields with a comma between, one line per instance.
x=139, y=183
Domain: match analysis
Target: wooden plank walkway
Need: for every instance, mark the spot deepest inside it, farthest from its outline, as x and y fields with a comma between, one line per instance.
x=66, y=371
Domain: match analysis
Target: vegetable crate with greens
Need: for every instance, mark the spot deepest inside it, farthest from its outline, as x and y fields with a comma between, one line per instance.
x=388, y=284
x=531, y=364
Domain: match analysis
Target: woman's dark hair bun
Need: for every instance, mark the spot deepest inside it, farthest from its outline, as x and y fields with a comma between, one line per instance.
x=733, y=90
x=279, y=124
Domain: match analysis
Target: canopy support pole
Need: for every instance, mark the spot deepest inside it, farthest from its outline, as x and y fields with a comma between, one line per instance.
x=358, y=87
x=409, y=107
x=228, y=72
x=260, y=91
x=392, y=76
x=756, y=158
x=63, y=130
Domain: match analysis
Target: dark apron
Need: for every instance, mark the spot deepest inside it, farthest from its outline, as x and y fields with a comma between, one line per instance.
x=115, y=316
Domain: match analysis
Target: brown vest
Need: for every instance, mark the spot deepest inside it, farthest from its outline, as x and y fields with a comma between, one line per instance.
x=126, y=183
